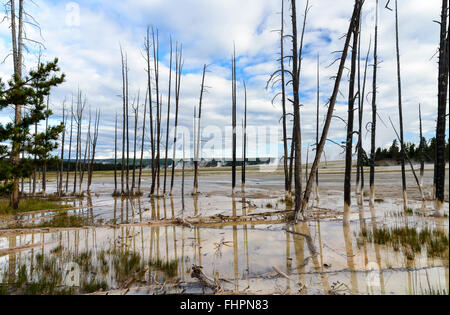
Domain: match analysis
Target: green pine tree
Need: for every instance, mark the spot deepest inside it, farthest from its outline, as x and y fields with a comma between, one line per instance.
x=30, y=92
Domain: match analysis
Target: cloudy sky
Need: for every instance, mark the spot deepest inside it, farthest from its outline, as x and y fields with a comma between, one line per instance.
x=86, y=35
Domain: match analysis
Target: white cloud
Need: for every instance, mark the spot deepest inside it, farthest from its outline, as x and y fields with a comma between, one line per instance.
x=89, y=55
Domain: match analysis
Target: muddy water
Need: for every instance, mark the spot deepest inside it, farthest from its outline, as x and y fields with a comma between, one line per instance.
x=313, y=257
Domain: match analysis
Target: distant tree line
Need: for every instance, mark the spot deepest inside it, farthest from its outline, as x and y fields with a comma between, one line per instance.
x=393, y=153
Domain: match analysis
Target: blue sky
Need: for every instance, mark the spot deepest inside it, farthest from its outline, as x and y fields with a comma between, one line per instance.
x=89, y=55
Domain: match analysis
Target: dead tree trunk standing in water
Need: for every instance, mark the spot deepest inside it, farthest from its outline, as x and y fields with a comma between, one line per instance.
x=61, y=168
x=400, y=111
x=198, y=137
x=317, y=125
x=361, y=98
x=94, y=146
x=79, y=122
x=442, y=112
x=296, y=69
x=422, y=148
x=17, y=43
x=150, y=102
x=234, y=105
x=115, y=159
x=158, y=109
x=287, y=182
x=168, y=119
x=70, y=149
x=244, y=139
x=326, y=128
x=87, y=153
x=141, y=162
x=44, y=171
x=122, y=174
x=178, y=73
x=136, y=121
x=34, y=159
x=373, y=124
x=127, y=115
x=350, y=124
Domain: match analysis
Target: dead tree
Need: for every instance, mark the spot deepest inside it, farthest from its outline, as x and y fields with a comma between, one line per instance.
x=198, y=137
x=136, y=120
x=149, y=91
x=115, y=159
x=168, y=118
x=69, y=160
x=440, y=160
x=94, y=146
x=287, y=182
x=332, y=103
x=158, y=109
x=34, y=159
x=178, y=74
x=122, y=174
x=361, y=99
x=400, y=110
x=296, y=69
x=78, y=121
x=183, y=167
x=234, y=105
x=44, y=170
x=350, y=124
x=317, y=124
x=422, y=148
x=127, y=126
x=17, y=34
x=244, y=139
x=87, y=154
x=373, y=124
x=141, y=162
x=61, y=168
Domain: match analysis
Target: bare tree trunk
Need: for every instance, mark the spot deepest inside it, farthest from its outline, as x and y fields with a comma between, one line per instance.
x=94, y=146
x=17, y=39
x=34, y=159
x=350, y=124
x=197, y=151
x=361, y=97
x=317, y=125
x=87, y=153
x=400, y=110
x=158, y=119
x=136, y=120
x=149, y=90
x=70, y=149
x=79, y=121
x=323, y=139
x=374, y=113
x=141, y=163
x=183, y=167
x=234, y=105
x=168, y=118
x=244, y=140
x=61, y=170
x=442, y=113
x=122, y=175
x=296, y=69
x=287, y=181
x=115, y=159
x=422, y=148
x=178, y=72
x=44, y=171
x=127, y=126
